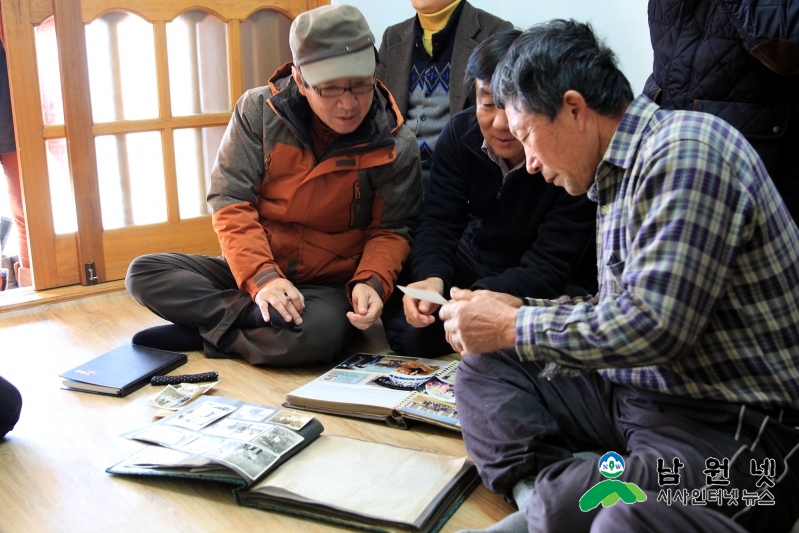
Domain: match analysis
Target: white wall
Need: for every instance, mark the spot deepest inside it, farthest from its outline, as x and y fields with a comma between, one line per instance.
x=622, y=23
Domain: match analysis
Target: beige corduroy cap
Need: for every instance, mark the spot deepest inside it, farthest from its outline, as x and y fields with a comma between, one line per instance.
x=332, y=42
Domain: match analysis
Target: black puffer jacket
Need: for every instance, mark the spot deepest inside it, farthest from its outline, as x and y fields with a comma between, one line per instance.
x=738, y=60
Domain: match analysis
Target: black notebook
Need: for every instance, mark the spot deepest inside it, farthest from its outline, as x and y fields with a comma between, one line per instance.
x=122, y=370
x=279, y=461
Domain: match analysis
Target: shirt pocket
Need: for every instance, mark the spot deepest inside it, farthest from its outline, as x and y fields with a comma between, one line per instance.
x=614, y=269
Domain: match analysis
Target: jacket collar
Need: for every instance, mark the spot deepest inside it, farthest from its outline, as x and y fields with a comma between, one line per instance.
x=376, y=130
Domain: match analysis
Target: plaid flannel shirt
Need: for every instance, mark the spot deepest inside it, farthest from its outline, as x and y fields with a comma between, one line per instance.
x=698, y=270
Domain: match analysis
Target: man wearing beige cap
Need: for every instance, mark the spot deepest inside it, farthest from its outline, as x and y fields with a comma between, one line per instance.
x=314, y=193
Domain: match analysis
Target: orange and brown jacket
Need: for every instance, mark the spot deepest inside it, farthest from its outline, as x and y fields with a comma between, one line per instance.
x=346, y=218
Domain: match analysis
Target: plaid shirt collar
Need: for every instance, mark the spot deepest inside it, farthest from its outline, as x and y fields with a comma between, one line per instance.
x=623, y=147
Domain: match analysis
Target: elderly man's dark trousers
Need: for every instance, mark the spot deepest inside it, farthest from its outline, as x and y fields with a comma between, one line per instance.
x=517, y=425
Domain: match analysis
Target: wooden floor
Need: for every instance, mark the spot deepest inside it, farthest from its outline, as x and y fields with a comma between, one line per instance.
x=52, y=465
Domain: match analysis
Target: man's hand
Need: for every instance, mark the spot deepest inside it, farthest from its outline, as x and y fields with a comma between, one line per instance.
x=419, y=313
x=480, y=321
x=281, y=294
x=366, y=304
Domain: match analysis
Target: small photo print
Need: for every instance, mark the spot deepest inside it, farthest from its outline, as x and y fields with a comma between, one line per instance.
x=252, y=412
x=440, y=390
x=170, y=397
x=410, y=375
x=430, y=406
x=359, y=361
x=398, y=383
x=278, y=440
x=243, y=457
x=155, y=456
x=338, y=376
x=231, y=428
x=449, y=377
x=201, y=415
x=292, y=419
x=202, y=445
x=372, y=363
x=414, y=368
x=165, y=436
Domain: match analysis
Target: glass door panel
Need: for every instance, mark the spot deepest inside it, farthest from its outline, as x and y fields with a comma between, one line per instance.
x=147, y=89
x=130, y=170
x=49, y=73
x=65, y=219
x=195, y=154
x=264, y=46
x=121, y=55
x=198, y=66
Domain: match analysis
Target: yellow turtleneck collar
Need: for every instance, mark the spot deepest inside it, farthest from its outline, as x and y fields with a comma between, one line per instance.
x=433, y=23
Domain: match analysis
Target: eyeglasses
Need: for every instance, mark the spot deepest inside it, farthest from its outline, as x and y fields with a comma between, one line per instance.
x=333, y=92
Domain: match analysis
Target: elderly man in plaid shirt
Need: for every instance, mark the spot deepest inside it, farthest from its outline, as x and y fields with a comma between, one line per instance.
x=690, y=348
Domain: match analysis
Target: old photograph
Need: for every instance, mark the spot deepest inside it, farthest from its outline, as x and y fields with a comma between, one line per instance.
x=202, y=415
x=165, y=436
x=246, y=458
x=202, y=444
x=278, y=439
x=236, y=429
x=292, y=419
x=252, y=412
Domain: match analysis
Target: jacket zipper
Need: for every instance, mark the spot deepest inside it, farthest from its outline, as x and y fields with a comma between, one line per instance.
x=502, y=185
x=266, y=168
x=357, y=196
x=504, y=182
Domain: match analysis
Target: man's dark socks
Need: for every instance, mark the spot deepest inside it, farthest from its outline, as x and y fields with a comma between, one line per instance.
x=249, y=318
x=171, y=337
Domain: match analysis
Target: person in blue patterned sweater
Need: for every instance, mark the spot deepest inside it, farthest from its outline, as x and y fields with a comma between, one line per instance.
x=423, y=60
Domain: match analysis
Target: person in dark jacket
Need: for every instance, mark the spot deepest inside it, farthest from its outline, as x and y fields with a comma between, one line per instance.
x=488, y=224
x=10, y=406
x=738, y=60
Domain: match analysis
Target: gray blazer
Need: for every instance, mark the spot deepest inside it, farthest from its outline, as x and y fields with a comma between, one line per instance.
x=396, y=52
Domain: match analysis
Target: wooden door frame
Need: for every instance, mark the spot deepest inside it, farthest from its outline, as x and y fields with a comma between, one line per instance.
x=56, y=258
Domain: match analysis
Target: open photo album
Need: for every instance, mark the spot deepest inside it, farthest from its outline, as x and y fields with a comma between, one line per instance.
x=220, y=439
x=384, y=387
x=278, y=460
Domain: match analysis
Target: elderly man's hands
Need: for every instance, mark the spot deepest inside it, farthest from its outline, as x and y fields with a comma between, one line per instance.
x=480, y=321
